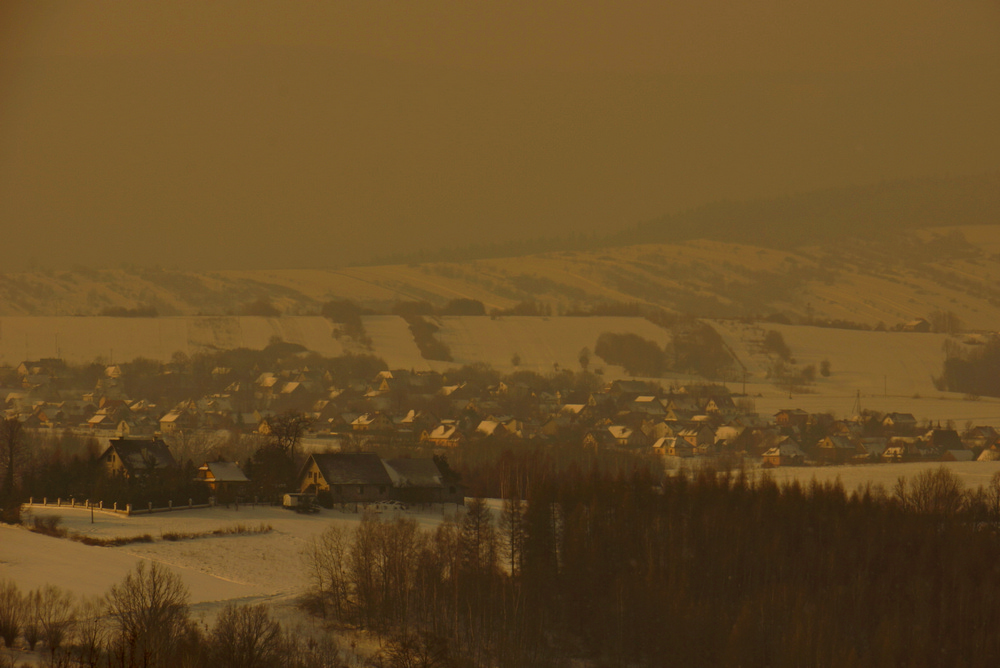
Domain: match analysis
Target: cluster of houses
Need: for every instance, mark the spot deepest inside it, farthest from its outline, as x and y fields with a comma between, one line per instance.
x=356, y=477
x=434, y=411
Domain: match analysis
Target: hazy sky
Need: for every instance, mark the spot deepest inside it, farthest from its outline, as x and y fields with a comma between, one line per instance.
x=284, y=134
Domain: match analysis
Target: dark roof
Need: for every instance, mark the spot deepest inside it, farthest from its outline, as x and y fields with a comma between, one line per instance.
x=352, y=468
x=421, y=472
x=141, y=455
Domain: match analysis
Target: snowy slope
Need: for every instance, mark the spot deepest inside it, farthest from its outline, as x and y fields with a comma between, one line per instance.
x=896, y=363
x=215, y=569
x=83, y=339
x=540, y=342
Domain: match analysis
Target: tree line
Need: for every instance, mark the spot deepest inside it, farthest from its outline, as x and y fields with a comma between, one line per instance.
x=693, y=569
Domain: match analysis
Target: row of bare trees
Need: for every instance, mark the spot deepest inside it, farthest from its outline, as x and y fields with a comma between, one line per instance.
x=144, y=622
x=448, y=588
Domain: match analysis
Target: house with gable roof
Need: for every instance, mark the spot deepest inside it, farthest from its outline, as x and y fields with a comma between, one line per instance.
x=226, y=480
x=136, y=457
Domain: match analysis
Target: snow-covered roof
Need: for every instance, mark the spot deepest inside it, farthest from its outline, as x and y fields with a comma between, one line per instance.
x=225, y=472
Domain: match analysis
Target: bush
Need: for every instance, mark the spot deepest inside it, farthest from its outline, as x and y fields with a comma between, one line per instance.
x=638, y=356
x=48, y=525
x=774, y=343
x=464, y=307
x=423, y=335
x=260, y=307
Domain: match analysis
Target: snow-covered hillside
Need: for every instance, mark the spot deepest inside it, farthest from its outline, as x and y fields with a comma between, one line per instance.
x=81, y=340
x=541, y=344
x=893, y=363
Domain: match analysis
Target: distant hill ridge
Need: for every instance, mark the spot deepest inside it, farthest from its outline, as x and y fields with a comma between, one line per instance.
x=897, y=252
x=784, y=222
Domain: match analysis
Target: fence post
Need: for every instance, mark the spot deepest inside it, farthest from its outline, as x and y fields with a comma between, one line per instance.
x=45, y=500
x=31, y=500
x=100, y=504
x=128, y=510
x=59, y=502
x=115, y=507
x=170, y=504
x=190, y=503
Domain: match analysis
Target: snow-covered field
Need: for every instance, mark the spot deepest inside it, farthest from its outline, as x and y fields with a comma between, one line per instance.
x=891, y=371
x=539, y=342
x=393, y=342
x=972, y=474
x=81, y=340
x=269, y=566
x=216, y=569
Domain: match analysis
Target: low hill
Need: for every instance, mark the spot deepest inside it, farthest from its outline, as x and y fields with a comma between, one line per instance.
x=846, y=280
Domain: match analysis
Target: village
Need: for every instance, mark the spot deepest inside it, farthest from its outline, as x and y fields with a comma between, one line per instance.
x=366, y=434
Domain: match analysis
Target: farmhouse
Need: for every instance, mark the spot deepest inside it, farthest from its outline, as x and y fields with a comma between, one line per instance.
x=134, y=457
x=421, y=480
x=791, y=417
x=364, y=477
x=348, y=477
x=786, y=453
x=225, y=479
x=836, y=449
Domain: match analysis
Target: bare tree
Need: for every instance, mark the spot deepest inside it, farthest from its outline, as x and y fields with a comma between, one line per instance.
x=287, y=431
x=56, y=615
x=149, y=613
x=246, y=637
x=326, y=558
x=90, y=633
x=511, y=533
x=32, y=628
x=937, y=492
x=12, y=611
x=479, y=539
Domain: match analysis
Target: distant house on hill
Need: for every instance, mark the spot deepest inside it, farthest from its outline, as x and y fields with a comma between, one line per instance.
x=627, y=437
x=673, y=446
x=943, y=439
x=136, y=457
x=226, y=480
x=918, y=325
x=176, y=421
x=445, y=435
x=791, y=417
x=786, y=453
x=836, y=449
x=900, y=422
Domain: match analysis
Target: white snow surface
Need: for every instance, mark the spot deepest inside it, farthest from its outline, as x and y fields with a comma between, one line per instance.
x=884, y=371
x=972, y=474
x=81, y=340
x=215, y=569
x=539, y=342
